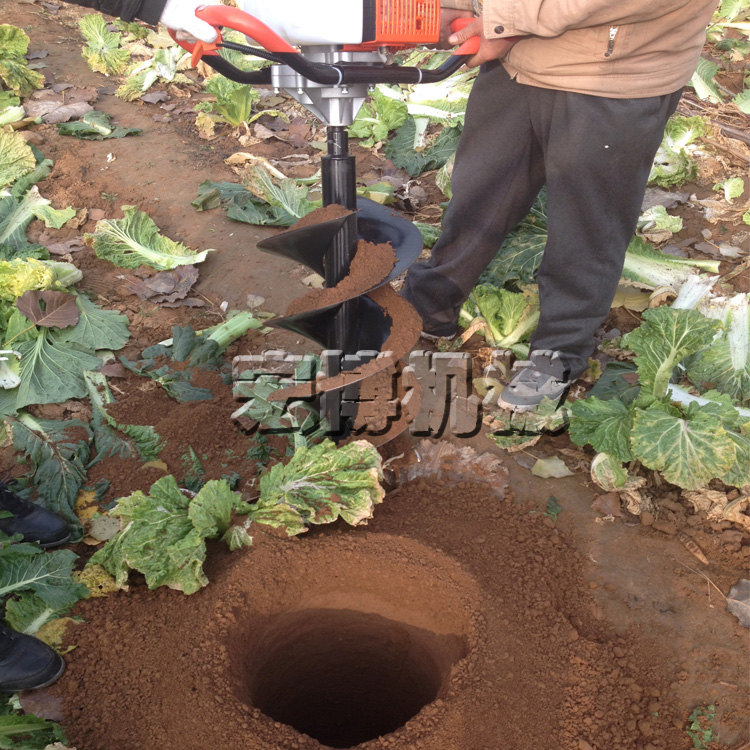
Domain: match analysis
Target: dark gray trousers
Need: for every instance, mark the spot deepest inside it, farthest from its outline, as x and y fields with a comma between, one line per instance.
x=594, y=154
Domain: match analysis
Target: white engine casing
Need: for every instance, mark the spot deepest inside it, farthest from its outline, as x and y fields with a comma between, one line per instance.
x=305, y=22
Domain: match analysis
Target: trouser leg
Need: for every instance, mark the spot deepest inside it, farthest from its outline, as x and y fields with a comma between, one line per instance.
x=497, y=174
x=598, y=155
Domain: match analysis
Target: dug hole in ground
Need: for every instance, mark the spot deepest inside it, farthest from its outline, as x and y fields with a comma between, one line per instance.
x=464, y=616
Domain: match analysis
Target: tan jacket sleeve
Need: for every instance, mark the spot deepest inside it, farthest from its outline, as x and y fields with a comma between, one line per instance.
x=457, y=4
x=550, y=18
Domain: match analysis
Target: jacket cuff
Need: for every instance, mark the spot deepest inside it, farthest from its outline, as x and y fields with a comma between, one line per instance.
x=459, y=5
x=150, y=10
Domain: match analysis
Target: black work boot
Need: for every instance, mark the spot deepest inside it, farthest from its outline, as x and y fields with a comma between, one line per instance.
x=26, y=663
x=35, y=523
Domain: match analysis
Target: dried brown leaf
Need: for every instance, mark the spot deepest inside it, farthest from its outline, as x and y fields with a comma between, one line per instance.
x=114, y=370
x=42, y=703
x=49, y=309
x=154, y=97
x=69, y=246
x=56, y=111
x=262, y=132
x=167, y=286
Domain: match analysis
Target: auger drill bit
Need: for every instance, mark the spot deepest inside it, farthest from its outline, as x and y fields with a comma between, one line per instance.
x=328, y=63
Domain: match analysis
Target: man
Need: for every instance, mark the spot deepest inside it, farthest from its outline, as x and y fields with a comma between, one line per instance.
x=175, y=14
x=26, y=663
x=574, y=94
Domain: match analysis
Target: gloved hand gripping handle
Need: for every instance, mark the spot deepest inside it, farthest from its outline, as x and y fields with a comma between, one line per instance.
x=282, y=52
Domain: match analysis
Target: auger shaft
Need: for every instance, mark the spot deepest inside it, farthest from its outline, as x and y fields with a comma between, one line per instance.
x=338, y=176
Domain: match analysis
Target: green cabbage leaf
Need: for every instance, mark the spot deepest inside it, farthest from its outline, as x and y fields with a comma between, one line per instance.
x=14, y=70
x=689, y=441
x=163, y=533
x=725, y=365
x=135, y=240
x=102, y=51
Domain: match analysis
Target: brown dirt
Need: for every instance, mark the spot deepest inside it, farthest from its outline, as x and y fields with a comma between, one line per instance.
x=515, y=631
x=320, y=215
x=370, y=266
x=484, y=604
x=203, y=426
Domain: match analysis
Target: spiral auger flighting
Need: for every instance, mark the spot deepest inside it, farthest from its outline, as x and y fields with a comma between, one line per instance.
x=357, y=317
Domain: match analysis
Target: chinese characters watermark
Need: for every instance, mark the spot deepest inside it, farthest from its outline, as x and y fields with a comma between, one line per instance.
x=368, y=400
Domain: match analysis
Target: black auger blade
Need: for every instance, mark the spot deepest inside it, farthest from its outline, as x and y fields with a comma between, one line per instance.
x=307, y=246
x=374, y=326
x=375, y=223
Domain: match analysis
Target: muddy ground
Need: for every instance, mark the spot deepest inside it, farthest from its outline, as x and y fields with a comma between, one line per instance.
x=482, y=621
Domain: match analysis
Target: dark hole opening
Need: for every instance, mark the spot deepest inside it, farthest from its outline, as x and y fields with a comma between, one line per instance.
x=345, y=677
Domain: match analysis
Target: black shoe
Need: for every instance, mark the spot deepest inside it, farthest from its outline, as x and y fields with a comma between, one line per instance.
x=35, y=523
x=26, y=663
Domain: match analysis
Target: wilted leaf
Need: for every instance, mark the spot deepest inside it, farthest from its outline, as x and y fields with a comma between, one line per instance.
x=688, y=451
x=551, y=468
x=69, y=246
x=42, y=703
x=320, y=484
x=72, y=94
x=608, y=472
x=96, y=126
x=49, y=309
x=103, y=527
x=57, y=111
x=16, y=157
x=704, y=500
x=167, y=286
x=738, y=602
x=97, y=580
x=86, y=506
x=314, y=280
x=154, y=97
x=631, y=298
x=164, y=533
x=54, y=631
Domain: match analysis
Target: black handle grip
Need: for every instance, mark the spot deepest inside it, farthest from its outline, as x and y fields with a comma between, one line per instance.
x=333, y=75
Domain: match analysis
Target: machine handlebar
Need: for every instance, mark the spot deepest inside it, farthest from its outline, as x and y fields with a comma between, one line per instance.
x=280, y=51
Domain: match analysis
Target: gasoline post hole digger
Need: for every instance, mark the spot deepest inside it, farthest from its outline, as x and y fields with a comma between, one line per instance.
x=328, y=57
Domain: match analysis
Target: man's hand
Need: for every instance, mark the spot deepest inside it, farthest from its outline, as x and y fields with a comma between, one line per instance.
x=447, y=17
x=489, y=49
x=179, y=15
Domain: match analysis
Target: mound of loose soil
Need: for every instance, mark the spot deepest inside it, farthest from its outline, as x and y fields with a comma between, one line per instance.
x=456, y=621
